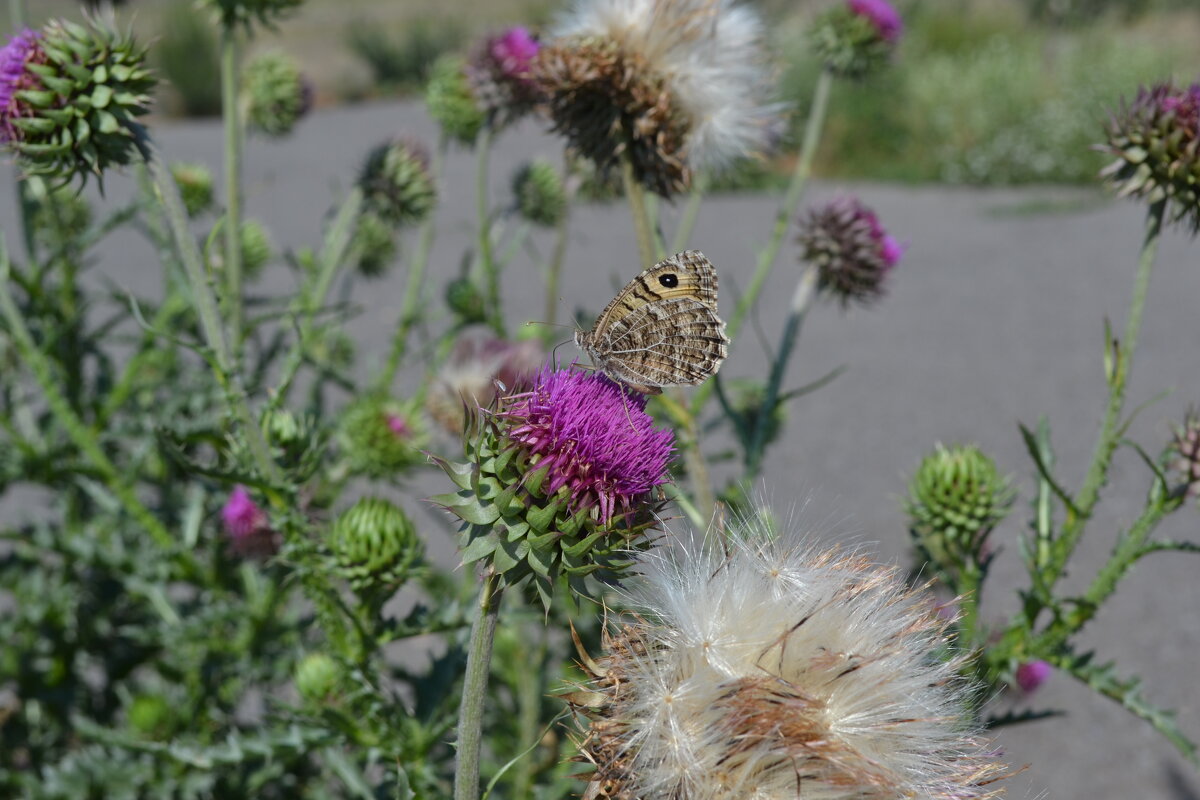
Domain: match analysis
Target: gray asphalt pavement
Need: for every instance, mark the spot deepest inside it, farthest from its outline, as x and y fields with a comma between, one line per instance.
x=995, y=316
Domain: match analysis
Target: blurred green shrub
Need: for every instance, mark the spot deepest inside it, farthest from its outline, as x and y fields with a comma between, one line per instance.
x=189, y=61
x=402, y=63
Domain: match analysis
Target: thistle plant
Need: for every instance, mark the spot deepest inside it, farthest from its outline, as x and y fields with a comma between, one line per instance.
x=276, y=94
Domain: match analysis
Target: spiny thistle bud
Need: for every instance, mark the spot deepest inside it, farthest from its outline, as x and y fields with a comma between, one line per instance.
x=954, y=500
x=232, y=13
x=498, y=73
x=247, y=527
x=465, y=300
x=195, y=182
x=851, y=250
x=374, y=245
x=760, y=665
x=152, y=716
x=1032, y=674
x=1186, y=450
x=559, y=480
x=396, y=182
x=275, y=94
x=541, y=197
x=70, y=96
x=381, y=437
x=317, y=676
x=450, y=101
x=1156, y=143
x=256, y=249
x=468, y=378
x=857, y=38
x=375, y=545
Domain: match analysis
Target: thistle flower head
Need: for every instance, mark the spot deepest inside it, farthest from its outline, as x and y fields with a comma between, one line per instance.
x=396, y=182
x=682, y=85
x=559, y=479
x=256, y=246
x=375, y=545
x=70, y=96
x=451, y=101
x=955, y=499
x=498, y=73
x=247, y=526
x=1155, y=142
x=195, y=182
x=1185, y=448
x=540, y=194
x=381, y=437
x=275, y=93
x=317, y=677
x=1032, y=674
x=374, y=246
x=851, y=250
x=760, y=665
x=858, y=37
x=468, y=378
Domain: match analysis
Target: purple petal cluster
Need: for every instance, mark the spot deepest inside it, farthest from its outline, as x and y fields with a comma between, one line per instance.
x=514, y=51
x=1033, y=674
x=851, y=249
x=1185, y=105
x=246, y=525
x=14, y=56
x=594, y=436
x=882, y=15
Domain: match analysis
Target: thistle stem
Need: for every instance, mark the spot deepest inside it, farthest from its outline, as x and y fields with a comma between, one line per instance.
x=470, y=713
x=637, y=207
x=561, y=231
x=801, y=300
x=691, y=212
x=410, y=305
x=1106, y=444
x=795, y=190
x=487, y=262
x=233, y=183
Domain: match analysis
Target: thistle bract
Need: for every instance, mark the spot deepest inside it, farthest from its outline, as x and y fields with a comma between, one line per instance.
x=760, y=667
x=498, y=74
x=381, y=437
x=1155, y=140
x=375, y=545
x=851, y=250
x=70, y=96
x=195, y=182
x=559, y=480
x=954, y=500
x=396, y=182
x=451, y=101
x=539, y=192
x=857, y=38
x=276, y=95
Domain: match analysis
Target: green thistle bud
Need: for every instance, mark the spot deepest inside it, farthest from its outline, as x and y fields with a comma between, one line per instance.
x=232, y=13
x=375, y=545
x=374, y=246
x=450, y=101
x=380, y=437
x=317, y=677
x=295, y=442
x=1156, y=144
x=275, y=94
x=541, y=197
x=195, y=182
x=1186, y=451
x=151, y=716
x=466, y=300
x=72, y=99
x=857, y=38
x=256, y=250
x=956, y=498
x=333, y=348
x=396, y=182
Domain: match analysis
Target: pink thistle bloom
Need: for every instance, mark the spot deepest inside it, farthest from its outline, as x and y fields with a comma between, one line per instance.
x=882, y=15
x=593, y=436
x=398, y=426
x=1033, y=674
x=20, y=51
x=851, y=249
x=514, y=51
x=246, y=525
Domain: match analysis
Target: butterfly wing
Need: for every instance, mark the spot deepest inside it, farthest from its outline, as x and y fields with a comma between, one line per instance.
x=686, y=274
x=671, y=342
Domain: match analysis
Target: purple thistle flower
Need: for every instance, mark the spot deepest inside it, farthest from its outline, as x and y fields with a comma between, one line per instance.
x=514, y=51
x=593, y=436
x=246, y=525
x=498, y=73
x=14, y=77
x=882, y=15
x=850, y=248
x=1033, y=674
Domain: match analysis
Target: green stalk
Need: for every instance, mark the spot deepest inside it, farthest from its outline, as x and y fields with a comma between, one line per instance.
x=530, y=690
x=801, y=300
x=637, y=207
x=561, y=231
x=233, y=183
x=78, y=431
x=470, y=712
x=766, y=257
x=411, y=304
x=487, y=262
x=333, y=254
x=691, y=211
x=1106, y=444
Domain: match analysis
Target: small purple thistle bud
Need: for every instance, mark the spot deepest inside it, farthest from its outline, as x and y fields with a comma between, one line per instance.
x=514, y=51
x=851, y=250
x=882, y=15
x=21, y=50
x=1186, y=451
x=499, y=75
x=397, y=425
x=247, y=526
x=1032, y=674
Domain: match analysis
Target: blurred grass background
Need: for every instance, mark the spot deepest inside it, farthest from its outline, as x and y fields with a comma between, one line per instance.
x=985, y=92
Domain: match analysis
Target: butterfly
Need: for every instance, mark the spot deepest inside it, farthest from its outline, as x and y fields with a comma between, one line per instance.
x=662, y=329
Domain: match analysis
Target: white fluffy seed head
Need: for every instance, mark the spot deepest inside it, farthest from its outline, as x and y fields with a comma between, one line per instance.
x=710, y=55
x=761, y=668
